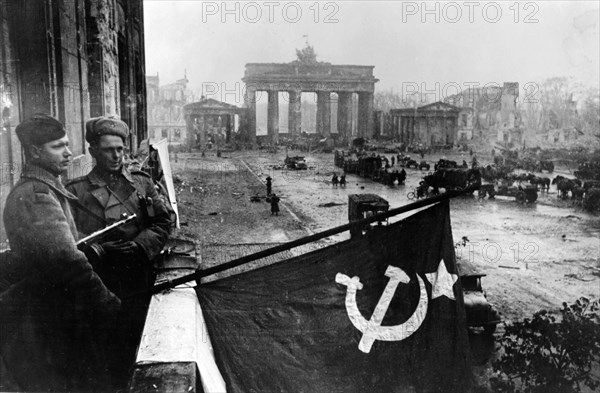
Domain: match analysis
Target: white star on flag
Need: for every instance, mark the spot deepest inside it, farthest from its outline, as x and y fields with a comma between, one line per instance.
x=442, y=282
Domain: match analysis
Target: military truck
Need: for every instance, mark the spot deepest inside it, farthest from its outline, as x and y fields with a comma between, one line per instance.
x=527, y=193
x=361, y=206
x=296, y=162
x=479, y=311
x=453, y=179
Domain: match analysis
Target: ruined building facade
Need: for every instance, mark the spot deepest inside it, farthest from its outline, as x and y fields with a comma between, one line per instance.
x=165, y=110
x=72, y=59
x=494, y=115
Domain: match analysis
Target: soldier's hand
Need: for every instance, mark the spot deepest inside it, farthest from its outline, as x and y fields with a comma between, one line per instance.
x=121, y=247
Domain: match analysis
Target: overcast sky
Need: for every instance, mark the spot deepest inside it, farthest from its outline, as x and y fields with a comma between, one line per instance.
x=470, y=42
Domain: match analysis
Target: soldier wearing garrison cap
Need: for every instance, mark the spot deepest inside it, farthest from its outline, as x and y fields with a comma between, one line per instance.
x=49, y=315
x=107, y=193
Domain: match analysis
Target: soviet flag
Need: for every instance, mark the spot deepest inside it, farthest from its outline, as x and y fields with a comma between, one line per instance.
x=382, y=313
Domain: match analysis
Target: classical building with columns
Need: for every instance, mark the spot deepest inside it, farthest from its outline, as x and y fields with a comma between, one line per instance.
x=210, y=121
x=429, y=125
x=305, y=75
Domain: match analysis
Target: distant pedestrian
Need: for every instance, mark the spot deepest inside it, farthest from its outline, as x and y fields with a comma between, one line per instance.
x=393, y=160
x=343, y=180
x=335, y=180
x=422, y=154
x=274, y=205
x=269, y=185
x=402, y=176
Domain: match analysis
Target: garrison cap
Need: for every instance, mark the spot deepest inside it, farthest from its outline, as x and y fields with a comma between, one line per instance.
x=40, y=129
x=99, y=126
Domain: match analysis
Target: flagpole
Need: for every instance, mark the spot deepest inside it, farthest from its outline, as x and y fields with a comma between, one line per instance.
x=308, y=239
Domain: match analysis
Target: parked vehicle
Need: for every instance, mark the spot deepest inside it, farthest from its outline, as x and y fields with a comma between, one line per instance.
x=522, y=194
x=412, y=164
x=296, y=162
x=453, y=179
x=361, y=206
x=480, y=313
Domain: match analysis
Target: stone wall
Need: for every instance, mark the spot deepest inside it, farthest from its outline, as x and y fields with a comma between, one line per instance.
x=10, y=157
x=103, y=56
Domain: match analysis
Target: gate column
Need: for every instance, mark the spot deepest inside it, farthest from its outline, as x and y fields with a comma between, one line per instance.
x=273, y=116
x=294, y=112
x=324, y=113
x=250, y=102
x=365, y=114
x=345, y=114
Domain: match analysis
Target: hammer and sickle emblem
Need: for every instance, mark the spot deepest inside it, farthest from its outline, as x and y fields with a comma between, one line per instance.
x=372, y=329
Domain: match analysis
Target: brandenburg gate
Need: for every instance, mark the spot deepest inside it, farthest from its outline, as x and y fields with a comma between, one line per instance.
x=308, y=75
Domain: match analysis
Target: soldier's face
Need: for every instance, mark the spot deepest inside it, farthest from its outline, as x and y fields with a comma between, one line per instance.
x=54, y=156
x=108, y=153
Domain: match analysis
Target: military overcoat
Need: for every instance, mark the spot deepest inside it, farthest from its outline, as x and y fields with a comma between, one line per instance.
x=50, y=317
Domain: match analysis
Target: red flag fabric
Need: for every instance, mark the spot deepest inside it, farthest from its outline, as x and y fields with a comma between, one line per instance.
x=380, y=313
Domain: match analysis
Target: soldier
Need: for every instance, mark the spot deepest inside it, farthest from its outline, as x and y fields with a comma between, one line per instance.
x=51, y=317
x=108, y=192
x=402, y=176
x=274, y=204
x=269, y=185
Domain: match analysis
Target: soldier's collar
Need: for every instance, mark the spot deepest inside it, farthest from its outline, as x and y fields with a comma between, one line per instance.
x=127, y=175
x=32, y=171
x=99, y=178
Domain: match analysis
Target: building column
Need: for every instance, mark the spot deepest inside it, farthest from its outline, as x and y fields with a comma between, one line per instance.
x=273, y=116
x=345, y=114
x=203, y=132
x=250, y=103
x=365, y=114
x=295, y=112
x=228, y=127
x=324, y=113
x=403, y=129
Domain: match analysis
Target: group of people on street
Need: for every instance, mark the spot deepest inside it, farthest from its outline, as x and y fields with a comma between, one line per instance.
x=71, y=319
x=335, y=180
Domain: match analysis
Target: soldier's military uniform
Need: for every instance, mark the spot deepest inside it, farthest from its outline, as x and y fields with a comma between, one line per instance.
x=49, y=318
x=106, y=198
x=103, y=198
